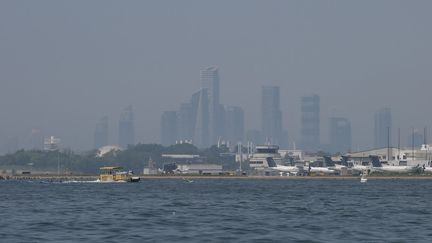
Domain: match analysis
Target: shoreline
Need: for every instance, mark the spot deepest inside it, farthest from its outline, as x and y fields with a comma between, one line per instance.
x=165, y=177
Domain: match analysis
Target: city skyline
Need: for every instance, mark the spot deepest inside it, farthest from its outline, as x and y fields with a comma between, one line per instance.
x=60, y=77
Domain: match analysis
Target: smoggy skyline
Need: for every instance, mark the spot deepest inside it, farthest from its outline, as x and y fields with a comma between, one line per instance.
x=66, y=64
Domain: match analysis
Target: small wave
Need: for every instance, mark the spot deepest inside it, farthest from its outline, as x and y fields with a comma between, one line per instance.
x=95, y=181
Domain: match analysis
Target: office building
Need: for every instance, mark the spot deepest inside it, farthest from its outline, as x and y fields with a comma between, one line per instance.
x=210, y=81
x=234, y=124
x=202, y=132
x=310, y=122
x=339, y=135
x=271, y=115
x=382, y=128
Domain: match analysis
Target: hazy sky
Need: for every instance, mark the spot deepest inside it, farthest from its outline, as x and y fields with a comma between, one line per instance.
x=65, y=64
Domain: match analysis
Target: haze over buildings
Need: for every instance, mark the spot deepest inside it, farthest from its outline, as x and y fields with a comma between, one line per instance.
x=66, y=64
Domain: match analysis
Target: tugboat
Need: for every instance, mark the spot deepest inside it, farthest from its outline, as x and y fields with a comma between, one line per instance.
x=116, y=174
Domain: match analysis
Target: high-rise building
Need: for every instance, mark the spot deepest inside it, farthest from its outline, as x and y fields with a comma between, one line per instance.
x=210, y=82
x=101, y=133
x=185, y=122
x=169, y=128
x=202, y=132
x=271, y=115
x=126, y=134
x=234, y=124
x=382, y=128
x=186, y=118
x=310, y=122
x=340, y=134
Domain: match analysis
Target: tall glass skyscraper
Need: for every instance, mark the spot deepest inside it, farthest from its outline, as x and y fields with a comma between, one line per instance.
x=310, y=122
x=210, y=82
x=340, y=135
x=126, y=134
x=234, y=124
x=201, y=134
x=382, y=128
x=271, y=115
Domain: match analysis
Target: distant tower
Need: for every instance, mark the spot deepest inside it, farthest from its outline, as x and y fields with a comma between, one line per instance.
x=201, y=134
x=210, y=81
x=169, y=128
x=234, y=124
x=186, y=118
x=382, y=121
x=101, y=133
x=340, y=134
x=310, y=122
x=126, y=133
x=271, y=115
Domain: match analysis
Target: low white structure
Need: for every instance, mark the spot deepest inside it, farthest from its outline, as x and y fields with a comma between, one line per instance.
x=199, y=169
x=396, y=156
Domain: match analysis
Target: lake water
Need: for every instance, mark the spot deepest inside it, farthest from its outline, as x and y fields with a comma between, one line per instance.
x=217, y=210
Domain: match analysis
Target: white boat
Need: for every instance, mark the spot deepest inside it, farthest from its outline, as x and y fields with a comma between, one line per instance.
x=363, y=178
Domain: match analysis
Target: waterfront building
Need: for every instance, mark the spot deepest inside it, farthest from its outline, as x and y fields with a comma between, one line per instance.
x=210, y=81
x=339, y=135
x=101, y=133
x=382, y=127
x=234, y=124
x=126, y=133
x=168, y=128
x=310, y=122
x=271, y=119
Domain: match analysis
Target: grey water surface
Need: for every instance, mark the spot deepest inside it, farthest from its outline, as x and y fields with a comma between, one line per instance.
x=217, y=210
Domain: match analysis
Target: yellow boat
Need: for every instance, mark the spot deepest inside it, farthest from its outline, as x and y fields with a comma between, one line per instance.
x=116, y=174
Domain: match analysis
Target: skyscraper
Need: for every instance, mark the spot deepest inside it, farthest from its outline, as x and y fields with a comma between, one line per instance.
x=169, y=128
x=271, y=115
x=234, y=124
x=383, y=123
x=310, y=122
x=101, y=133
x=340, y=134
x=187, y=116
x=201, y=134
x=210, y=81
x=126, y=134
